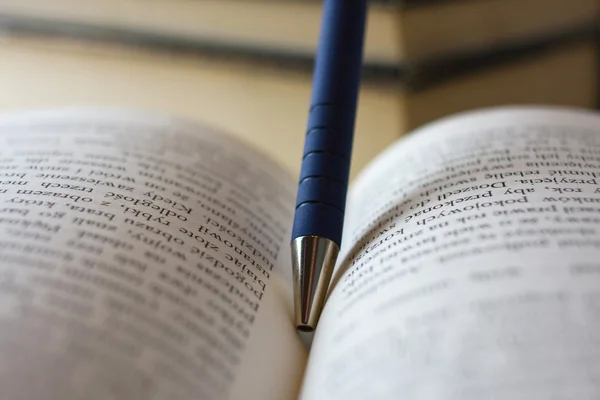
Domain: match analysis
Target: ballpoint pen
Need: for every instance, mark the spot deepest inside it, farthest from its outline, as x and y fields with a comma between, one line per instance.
x=320, y=204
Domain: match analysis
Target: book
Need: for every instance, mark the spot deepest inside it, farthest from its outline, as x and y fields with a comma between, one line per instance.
x=268, y=107
x=145, y=257
x=398, y=32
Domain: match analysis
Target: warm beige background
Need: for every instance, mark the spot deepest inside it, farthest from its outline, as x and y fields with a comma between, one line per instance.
x=264, y=107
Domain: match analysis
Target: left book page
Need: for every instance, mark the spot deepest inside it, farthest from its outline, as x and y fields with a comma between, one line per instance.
x=142, y=258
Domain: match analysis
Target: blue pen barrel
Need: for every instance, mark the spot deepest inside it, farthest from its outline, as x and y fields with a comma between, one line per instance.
x=323, y=186
x=325, y=168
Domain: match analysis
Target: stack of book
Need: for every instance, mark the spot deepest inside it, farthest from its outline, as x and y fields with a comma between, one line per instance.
x=244, y=65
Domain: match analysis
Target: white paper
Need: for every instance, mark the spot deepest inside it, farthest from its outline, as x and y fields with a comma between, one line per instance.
x=470, y=266
x=138, y=261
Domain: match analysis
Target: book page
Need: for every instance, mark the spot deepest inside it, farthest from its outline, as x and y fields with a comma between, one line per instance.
x=142, y=258
x=470, y=266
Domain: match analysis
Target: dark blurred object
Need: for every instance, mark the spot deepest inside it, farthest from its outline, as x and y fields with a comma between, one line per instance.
x=398, y=32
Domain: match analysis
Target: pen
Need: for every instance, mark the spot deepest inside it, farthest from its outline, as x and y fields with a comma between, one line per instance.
x=320, y=204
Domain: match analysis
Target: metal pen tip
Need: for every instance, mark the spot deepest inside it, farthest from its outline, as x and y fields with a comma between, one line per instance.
x=313, y=261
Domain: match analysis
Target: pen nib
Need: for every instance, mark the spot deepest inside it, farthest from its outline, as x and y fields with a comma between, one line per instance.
x=313, y=260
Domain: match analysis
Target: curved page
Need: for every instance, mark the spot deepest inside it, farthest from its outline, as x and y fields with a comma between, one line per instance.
x=140, y=258
x=471, y=266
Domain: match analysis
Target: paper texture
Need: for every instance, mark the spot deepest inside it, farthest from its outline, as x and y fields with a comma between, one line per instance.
x=138, y=261
x=471, y=266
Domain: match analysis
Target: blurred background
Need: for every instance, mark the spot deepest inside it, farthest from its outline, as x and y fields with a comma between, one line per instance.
x=244, y=66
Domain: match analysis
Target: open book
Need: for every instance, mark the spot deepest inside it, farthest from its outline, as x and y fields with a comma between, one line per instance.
x=147, y=258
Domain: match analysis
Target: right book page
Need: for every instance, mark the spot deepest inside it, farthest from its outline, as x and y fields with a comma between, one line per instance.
x=471, y=265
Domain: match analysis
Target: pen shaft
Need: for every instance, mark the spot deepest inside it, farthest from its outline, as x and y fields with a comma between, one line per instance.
x=325, y=167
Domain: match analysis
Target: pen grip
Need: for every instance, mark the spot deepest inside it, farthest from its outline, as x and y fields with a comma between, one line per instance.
x=323, y=183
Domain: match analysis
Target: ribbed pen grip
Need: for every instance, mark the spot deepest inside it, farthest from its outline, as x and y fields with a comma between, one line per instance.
x=323, y=184
x=328, y=145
